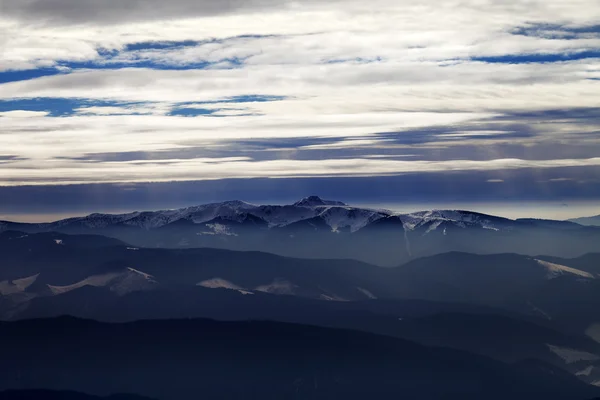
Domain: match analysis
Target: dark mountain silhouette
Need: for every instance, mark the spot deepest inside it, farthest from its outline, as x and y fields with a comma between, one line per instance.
x=481, y=330
x=41, y=265
x=181, y=359
x=61, y=395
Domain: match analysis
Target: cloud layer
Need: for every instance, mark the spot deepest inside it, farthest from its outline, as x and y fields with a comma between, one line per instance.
x=154, y=91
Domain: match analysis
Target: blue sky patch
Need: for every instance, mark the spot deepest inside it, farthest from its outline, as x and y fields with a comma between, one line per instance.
x=554, y=31
x=251, y=98
x=63, y=107
x=192, y=112
x=22, y=75
x=57, y=107
x=539, y=58
x=160, y=45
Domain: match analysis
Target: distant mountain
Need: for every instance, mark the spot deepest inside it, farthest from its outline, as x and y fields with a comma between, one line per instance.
x=509, y=339
x=49, y=265
x=41, y=265
x=517, y=307
x=589, y=221
x=484, y=278
x=188, y=359
x=317, y=228
x=61, y=395
x=555, y=291
x=480, y=330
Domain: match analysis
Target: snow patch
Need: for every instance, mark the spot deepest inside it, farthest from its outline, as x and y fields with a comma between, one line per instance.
x=593, y=332
x=490, y=228
x=132, y=281
x=121, y=283
x=325, y=297
x=220, y=229
x=539, y=310
x=433, y=227
x=571, y=356
x=278, y=286
x=585, y=372
x=463, y=219
x=16, y=286
x=143, y=274
x=218, y=283
x=24, y=283
x=95, y=281
x=367, y=293
x=350, y=218
x=556, y=270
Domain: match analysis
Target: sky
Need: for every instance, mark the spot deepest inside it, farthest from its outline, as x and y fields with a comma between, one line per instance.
x=126, y=105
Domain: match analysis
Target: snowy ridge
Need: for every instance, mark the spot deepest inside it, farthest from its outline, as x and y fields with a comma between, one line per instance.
x=351, y=218
x=17, y=286
x=218, y=283
x=219, y=229
x=278, y=286
x=571, y=356
x=463, y=219
x=337, y=215
x=556, y=270
x=130, y=280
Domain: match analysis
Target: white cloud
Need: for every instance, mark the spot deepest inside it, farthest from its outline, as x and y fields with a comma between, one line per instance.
x=23, y=114
x=346, y=69
x=209, y=169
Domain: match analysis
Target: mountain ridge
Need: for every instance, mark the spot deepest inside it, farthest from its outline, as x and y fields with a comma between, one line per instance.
x=225, y=207
x=180, y=359
x=589, y=221
x=317, y=228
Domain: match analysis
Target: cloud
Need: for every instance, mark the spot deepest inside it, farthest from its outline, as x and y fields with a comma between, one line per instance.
x=109, y=91
x=70, y=172
x=23, y=114
x=114, y=11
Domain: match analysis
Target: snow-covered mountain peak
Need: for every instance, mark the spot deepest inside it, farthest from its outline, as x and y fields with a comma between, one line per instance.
x=352, y=218
x=316, y=201
x=459, y=218
x=333, y=215
x=238, y=204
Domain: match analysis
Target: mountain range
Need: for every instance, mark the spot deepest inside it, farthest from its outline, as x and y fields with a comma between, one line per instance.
x=48, y=264
x=189, y=359
x=317, y=228
x=590, y=221
x=502, y=306
x=361, y=302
